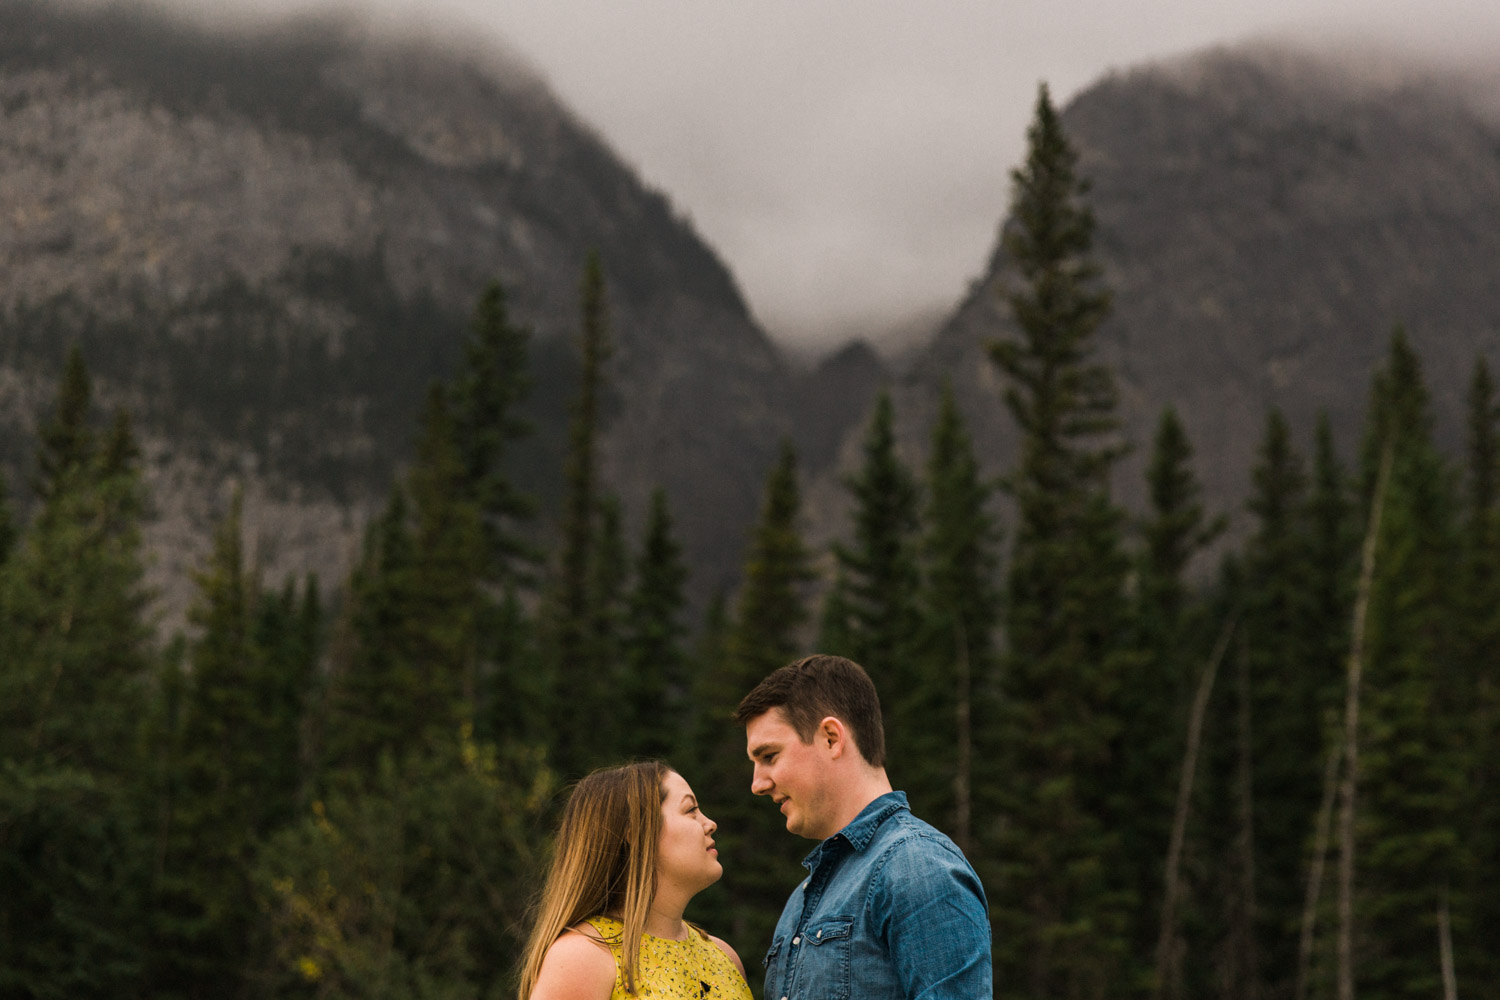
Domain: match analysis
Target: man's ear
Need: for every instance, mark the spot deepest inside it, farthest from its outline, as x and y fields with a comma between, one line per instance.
x=833, y=736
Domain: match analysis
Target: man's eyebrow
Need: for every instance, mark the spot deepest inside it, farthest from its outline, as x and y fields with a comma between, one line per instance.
x=761, y=749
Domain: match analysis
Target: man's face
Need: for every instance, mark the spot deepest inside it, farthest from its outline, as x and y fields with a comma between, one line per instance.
x=794, y=774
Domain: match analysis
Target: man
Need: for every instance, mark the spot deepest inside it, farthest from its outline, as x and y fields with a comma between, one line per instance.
x=890, y=907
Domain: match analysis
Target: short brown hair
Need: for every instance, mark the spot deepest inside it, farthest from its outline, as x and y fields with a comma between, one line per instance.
x=810, y=689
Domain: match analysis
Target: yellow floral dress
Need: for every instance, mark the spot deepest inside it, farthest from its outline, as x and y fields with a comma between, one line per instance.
x=695, y=969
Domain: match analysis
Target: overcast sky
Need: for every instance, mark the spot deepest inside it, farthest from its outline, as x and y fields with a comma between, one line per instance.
x=849, y=158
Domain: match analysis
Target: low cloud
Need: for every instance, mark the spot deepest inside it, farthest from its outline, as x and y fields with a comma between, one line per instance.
x=850, y=158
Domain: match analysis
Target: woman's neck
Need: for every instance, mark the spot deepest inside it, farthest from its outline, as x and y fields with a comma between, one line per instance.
x=664, y=918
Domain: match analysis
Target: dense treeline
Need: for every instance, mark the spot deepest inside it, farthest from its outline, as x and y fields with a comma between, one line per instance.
x=1275, y=780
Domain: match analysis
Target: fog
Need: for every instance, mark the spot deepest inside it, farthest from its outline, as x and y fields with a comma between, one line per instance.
x=849, y=159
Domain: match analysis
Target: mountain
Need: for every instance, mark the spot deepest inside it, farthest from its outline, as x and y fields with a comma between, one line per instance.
x=1265, y=218
x=268, y=243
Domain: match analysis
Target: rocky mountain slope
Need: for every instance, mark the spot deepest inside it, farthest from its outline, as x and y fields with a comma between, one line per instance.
x=268, y=244
x=1265, y=219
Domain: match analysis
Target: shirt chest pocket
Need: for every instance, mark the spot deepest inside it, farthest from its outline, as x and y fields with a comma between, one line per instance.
x=821, y=955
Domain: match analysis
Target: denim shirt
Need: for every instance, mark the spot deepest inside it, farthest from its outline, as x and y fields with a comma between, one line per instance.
x=890, y=908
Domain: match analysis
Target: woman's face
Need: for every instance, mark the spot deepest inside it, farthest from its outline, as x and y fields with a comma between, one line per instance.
x=686, y=857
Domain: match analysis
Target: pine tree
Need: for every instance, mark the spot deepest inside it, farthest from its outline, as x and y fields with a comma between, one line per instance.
x=581, y=691
x=1480, y=608
x=1171, y=639
x=1411, y=786
x=369, y=680
x=766, y=633
x=9, y=532
x=1292, y=682
x=485, y=399
x=947, y=752
x=230, y=789
x=878, y=580
x=487, y=394
x=74, y=647
x=66, y=440
x=1059, y=914
x=655, y=660
x=287, y=632
x=406, y=661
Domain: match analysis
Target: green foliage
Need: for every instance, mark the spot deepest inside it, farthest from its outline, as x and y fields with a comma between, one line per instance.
x=657, y=683
x=406, y=662
x=73, y=866
x=1413, y=793
x=1170, y=632
x=572, y=616
x=942, y=752
x=761, y=859
x=1480, y=680
x=1058, y=911
x=878, y=582
x=73, y=641
x=488, y=392
x=234, y=770
x=237, y=814
x=408, y=881
x=8, y=529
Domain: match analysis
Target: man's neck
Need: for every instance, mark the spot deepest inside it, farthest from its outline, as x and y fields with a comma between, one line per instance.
x=871, y=785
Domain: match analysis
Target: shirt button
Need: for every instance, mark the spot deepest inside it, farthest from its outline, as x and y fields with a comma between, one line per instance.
x=820, y=934
x=797, y=939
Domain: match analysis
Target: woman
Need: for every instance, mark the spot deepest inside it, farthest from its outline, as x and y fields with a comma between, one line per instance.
x=633, y=848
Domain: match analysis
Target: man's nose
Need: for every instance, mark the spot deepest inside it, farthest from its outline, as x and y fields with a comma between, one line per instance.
x=759, y=783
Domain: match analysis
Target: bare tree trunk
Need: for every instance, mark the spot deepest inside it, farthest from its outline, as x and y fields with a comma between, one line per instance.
x=1351, y=732
x=962, y=776
x=1315, y=874
x=1445, y=949
x=1167, y=956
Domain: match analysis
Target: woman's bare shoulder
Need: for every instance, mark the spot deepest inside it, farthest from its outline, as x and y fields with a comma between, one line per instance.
x=733, y=957
x=578, y=966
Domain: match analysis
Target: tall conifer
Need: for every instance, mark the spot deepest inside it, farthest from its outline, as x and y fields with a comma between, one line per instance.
x=224, y=769
x=770, y=615
x=1410, y=860
x=659, y=716
x=405, y=662
x=1171, y=641
x=878, y=583
x=74, y=647
x=487, y=393
x=581, y=694
x=948, y=756
x=1059, y=912
x=1480, y=603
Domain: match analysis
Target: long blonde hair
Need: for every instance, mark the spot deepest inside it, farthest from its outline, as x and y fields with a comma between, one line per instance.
x=604, y=862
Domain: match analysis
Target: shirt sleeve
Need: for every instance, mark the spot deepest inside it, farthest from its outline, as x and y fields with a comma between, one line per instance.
x=935, y=922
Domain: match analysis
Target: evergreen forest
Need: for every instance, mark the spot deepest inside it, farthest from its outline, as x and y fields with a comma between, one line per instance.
x=1184, y=766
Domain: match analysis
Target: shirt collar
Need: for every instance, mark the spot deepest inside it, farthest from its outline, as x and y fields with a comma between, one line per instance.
x=862, y=829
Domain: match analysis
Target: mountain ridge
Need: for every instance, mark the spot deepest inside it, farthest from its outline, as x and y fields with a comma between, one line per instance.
x=269, y=244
